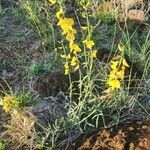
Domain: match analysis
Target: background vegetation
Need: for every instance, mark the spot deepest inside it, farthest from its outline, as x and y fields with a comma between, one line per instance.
x=68, y=68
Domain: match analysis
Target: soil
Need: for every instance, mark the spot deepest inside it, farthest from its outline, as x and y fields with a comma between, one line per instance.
x=51, y=83
x=129, y=136
x=8, y=3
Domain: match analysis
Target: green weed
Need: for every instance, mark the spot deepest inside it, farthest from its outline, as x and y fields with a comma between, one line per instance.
x=2, y=145
x=39, y=15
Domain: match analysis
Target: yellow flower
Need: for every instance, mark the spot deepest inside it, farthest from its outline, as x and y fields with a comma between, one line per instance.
x=6, y=107
x=117, y=73
x=125, y=63
x=112, y=74
x=120, y=74
x=114, y=65
x=9, y=102
x=94, y=53
x=74, y=61
x=66, y=24
x=66, y=71
x=88, y=42
x=66, y=66
x=53, y=1
x=74, y=48
x=114, y=84
x=66, y=56
x=59, y=14
x=71, y=35
x=121, y=47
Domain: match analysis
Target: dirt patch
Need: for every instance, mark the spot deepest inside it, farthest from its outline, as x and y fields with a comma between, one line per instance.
x=129, y=136
x=8, y=3
x=50, y=84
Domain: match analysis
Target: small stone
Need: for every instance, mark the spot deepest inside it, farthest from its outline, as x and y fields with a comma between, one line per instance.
x=131, y=146
x=144, y=127
x=131, y=128
x=6, y=74
x=137, y=15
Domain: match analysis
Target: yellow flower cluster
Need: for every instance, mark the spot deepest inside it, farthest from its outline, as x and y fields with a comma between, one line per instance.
x=117, y=73
x=117, y=69
x=94, y=54
x=66, y=24
x=9, y=102
x=88, y=42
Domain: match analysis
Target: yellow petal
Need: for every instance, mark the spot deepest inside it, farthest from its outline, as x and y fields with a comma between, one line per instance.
x=66, y=23
x=121, y=47
x=120, y=74
x=53, y=1
x=70, y=37
x=88, y=42
x=114, y=84
x=114, y=65
x=66, y=56
x=66, y=71
x=125, y=63
x=59, y=13
x=66, y=66
x=112, y=74
x=60, y=22
x=76, y=50
x=73, y=61
x=94, y=53
x=74, y=47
